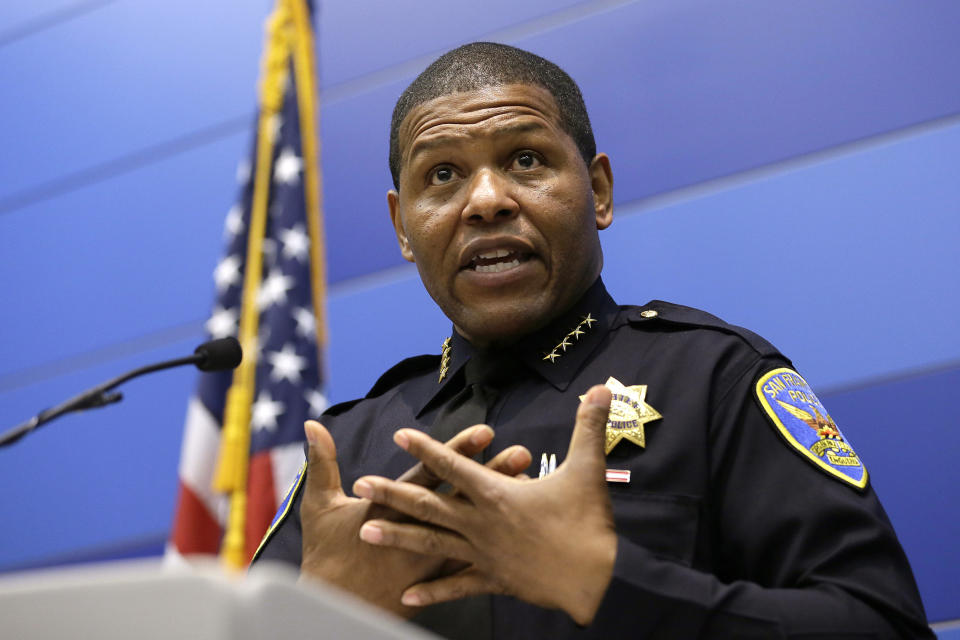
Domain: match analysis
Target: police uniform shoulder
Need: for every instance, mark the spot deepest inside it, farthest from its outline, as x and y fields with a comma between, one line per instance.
x=393, y=377
x=403, y=371
x=658, y=312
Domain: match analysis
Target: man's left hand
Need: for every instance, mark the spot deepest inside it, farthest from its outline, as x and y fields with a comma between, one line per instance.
x=550, y=542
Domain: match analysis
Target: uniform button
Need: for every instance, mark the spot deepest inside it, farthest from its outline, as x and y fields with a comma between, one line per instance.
x=649, y=313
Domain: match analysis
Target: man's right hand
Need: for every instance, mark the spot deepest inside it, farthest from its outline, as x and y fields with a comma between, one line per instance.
x=330, y=520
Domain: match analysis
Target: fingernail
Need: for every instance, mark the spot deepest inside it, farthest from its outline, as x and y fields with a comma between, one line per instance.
x=481, y=436
x=411, y=599
x=371, y=533
x=363, y=489
x=310, y=431
x=594, y=396
x=401, y=439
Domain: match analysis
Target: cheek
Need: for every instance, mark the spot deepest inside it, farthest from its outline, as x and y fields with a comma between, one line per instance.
x=428, y=235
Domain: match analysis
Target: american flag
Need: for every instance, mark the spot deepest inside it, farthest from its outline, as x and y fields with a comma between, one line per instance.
x=288, y=376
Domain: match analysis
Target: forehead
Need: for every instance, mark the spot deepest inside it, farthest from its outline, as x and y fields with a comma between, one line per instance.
x=481, y=112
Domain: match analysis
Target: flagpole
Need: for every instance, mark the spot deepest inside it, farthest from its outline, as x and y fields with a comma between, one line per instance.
x=232, y=465
x=304, y=67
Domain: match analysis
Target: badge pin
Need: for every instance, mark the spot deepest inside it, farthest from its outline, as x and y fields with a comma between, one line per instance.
x=547, y=465
x=629, y=411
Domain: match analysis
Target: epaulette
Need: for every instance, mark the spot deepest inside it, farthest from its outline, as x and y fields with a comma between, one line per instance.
x=677, y=314
x=403, y=370
x=396, y=374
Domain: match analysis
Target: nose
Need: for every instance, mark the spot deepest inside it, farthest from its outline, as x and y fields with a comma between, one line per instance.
x=489, y=199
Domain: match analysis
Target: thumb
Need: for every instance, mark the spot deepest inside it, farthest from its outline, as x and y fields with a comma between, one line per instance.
x=589, y=431
x=323, y=474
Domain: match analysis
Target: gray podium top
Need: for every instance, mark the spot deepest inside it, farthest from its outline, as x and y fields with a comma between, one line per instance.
x=146, y=601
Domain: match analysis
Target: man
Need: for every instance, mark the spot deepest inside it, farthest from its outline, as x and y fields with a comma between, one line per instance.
x=705, y=491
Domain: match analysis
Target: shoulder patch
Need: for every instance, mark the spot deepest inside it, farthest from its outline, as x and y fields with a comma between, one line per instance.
x=804, y=423
x=401, y=371
x=284, y=509
x=677, y=314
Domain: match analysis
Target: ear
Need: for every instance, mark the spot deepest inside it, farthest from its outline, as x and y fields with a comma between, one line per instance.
x=601, y=182
x=393, y=203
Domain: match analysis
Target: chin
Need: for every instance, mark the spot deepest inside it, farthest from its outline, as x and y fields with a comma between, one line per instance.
x=500, y=328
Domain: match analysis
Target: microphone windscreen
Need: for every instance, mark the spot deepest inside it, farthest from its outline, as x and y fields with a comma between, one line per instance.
x=220, y=354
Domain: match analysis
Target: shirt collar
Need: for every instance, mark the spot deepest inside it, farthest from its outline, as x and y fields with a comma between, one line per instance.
x=556, y=352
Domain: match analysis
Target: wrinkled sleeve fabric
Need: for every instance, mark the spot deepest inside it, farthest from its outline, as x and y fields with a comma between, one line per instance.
x=797, y=553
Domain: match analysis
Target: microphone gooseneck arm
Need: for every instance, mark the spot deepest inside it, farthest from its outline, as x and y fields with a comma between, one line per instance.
x=214, y=355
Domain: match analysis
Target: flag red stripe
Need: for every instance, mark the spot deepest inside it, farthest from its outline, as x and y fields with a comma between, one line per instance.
x=261, y=500
x=194, y=529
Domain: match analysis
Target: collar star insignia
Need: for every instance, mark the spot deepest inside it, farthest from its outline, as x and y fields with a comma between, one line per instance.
x=629, y=411
x=566, y=343
x=445, y=349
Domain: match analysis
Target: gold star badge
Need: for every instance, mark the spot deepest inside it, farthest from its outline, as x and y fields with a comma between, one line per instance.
x=629, y=411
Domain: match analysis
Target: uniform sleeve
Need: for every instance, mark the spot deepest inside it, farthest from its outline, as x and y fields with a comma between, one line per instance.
x=798, y=553
x=284, y=540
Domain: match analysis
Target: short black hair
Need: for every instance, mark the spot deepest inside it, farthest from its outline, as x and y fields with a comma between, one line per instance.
x=488, y=64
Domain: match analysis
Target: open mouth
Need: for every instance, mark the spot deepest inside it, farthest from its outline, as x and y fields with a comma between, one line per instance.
x=496, y=260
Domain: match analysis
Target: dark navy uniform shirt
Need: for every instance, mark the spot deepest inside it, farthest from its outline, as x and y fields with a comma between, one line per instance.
x=725, y=530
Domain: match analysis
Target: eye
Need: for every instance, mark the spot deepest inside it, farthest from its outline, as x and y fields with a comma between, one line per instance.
x=442, y=175
x=526, y=160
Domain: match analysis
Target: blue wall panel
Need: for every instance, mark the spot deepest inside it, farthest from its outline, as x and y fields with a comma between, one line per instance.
x=127, y=76
x=360, y=38
x=115, y=260
x=906, y=433
x=849, y=265
x=98, y=478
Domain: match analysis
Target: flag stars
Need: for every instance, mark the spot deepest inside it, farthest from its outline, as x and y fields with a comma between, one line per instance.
x=318, y=402
x=288, y=167
x=287, y=364
x=274, y=289
x=223, y=323
x=243, y=172
x=296, y=244
x=227, y=273
x=234, y=222
x=264, y=412
x=306, y=322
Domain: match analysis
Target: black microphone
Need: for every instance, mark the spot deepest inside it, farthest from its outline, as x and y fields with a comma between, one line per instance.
x=215, y=355
x=218, y=355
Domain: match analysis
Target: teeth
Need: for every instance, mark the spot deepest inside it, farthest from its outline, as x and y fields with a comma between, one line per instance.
x=490, y=255
x=497, y=267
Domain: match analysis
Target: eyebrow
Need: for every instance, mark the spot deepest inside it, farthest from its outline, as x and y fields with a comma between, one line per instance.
x=422, y=146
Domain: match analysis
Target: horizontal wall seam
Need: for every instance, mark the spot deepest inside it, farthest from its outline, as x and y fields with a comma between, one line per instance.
x=125, y=164
x=697, y=190
x=337, y=93
x=51, y=19
x=102, y=355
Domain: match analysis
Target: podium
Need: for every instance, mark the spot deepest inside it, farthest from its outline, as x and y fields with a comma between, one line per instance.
x=147, y=601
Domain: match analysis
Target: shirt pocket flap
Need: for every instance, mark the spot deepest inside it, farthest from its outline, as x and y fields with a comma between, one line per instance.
x=664, y=524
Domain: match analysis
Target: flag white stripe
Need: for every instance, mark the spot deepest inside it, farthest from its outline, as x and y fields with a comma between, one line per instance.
x=198, y=458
